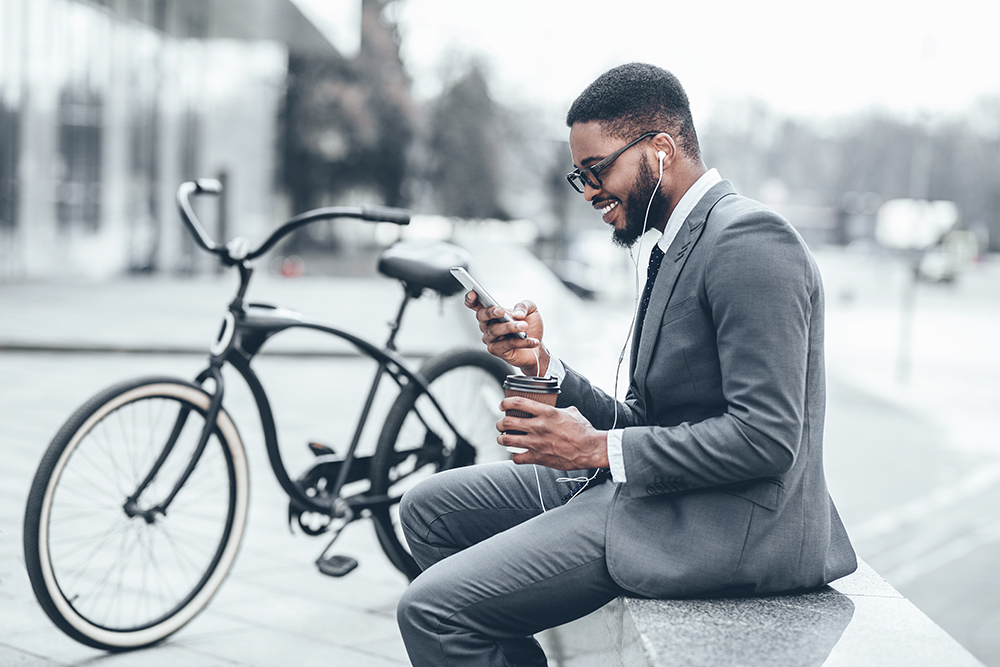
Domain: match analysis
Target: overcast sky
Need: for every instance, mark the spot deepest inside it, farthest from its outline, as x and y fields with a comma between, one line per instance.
x=806, y=58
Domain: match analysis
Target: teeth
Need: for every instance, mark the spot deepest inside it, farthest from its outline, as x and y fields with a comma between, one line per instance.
x=609, y=207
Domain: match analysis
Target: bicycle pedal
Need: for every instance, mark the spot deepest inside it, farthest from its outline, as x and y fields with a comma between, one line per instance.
x=320, y=449
x=336, y=566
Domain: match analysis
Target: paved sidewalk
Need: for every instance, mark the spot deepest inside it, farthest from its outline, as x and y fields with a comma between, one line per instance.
x=275, y=607
x=911, y=467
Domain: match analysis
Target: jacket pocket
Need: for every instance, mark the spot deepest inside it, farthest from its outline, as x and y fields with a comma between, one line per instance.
x=763, y=492
x=678, y=310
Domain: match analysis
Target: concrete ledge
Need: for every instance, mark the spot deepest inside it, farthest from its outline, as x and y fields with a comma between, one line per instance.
x=858, y=621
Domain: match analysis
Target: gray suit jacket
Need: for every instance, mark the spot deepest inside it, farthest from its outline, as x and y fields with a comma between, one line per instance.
x=723, y=440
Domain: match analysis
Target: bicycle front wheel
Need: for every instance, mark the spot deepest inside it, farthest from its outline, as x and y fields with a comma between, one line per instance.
x=417, y=442
x=115, y=574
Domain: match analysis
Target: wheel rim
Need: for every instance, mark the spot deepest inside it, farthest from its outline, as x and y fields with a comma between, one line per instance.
x=121, y=580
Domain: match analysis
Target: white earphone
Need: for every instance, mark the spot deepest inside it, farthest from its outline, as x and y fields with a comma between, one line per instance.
x=662, y=155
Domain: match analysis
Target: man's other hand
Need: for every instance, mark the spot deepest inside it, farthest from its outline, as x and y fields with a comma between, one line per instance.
x=559, y=438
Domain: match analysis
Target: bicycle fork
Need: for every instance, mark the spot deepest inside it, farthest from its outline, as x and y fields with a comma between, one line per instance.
x=131, y=506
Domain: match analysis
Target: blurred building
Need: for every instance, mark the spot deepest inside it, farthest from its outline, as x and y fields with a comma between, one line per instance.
x=106, y=106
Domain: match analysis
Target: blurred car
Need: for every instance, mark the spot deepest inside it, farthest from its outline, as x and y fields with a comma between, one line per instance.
x=938, y=265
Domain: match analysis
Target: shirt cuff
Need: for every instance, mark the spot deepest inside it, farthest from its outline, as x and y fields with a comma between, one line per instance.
x=556, y=368
x=616, y=457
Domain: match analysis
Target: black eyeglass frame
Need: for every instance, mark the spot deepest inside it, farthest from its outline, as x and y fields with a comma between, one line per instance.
x=585, y=174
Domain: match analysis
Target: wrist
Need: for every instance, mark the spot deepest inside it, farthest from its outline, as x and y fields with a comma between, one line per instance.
x=600, y=450
x=538, y=368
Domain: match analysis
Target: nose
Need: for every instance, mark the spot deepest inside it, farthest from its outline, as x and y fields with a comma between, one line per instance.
x=589, y=192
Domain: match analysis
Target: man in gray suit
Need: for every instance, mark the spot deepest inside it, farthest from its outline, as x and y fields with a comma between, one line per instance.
x=706, y=480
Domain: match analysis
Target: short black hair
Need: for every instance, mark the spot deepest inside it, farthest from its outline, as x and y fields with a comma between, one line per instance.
x=635, y=98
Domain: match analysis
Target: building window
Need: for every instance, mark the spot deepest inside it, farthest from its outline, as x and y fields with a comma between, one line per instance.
x=78, y=192
x=9, y=149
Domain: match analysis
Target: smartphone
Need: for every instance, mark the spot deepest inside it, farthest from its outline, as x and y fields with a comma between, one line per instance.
x=488, y=301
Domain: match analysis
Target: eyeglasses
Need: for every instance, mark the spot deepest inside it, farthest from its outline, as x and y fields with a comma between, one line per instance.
x=578, y=178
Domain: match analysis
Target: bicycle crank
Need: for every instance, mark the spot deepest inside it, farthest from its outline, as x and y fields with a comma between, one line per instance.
x=317, y=482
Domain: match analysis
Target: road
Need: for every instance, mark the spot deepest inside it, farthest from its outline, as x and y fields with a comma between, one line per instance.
x=913, y=440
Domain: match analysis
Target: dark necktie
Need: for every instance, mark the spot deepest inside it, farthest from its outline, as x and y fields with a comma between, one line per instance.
x=655, y=258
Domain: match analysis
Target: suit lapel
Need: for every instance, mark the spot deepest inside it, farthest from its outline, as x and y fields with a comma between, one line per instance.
x=670, y=269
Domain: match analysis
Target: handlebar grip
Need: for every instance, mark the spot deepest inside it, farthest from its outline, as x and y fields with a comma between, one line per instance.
x=212, y=186
x=188, y=216
x=398, y=216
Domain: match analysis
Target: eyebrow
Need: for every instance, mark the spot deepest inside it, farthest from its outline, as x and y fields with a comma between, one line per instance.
x=587, y=161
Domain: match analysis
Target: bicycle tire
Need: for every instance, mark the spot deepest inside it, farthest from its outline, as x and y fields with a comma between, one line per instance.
x=114, y=581
x=468, y=385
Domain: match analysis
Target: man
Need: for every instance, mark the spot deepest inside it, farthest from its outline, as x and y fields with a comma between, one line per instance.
x=709, y=475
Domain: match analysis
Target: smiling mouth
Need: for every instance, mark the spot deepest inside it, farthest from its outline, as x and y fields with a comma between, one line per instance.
x=606, y=209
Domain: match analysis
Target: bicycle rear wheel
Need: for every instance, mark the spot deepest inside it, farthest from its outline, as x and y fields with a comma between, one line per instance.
x=115, y=576
x=416, y=442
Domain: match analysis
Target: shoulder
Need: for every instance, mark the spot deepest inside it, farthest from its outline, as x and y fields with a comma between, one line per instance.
x=748, y=223
x=735, y=211
x=748, y=240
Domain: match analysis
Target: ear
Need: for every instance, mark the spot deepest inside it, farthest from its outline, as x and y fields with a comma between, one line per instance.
x=664, y=142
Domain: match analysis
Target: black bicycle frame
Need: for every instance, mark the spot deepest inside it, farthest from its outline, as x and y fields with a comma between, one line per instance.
x=244, y=331
x=250, y=335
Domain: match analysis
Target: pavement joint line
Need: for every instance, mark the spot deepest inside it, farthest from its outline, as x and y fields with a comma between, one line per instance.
x=942, y=555
x=22, y=651
x=941, y=498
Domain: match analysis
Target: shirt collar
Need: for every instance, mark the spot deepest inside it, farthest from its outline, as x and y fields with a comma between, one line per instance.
x=687, y=203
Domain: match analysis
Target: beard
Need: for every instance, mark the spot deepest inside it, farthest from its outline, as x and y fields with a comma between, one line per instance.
x=635, y=208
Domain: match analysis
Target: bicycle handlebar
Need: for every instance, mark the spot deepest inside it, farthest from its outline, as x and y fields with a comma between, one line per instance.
x=238, y=249
x=397, y=216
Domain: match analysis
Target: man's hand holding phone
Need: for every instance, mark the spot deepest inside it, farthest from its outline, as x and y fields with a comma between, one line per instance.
x=515, y=335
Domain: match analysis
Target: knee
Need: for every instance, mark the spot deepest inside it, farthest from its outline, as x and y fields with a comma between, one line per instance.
x=421, y=504
x=415, y=611
x=411, y=508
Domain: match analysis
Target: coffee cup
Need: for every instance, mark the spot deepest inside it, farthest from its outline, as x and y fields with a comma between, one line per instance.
x=544, y=390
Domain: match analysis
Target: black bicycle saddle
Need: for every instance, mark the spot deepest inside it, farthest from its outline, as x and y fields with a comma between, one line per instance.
x=424, y=264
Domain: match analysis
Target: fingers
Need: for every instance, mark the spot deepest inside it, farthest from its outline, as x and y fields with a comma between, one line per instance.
x=523, y=457
x=494, y=327
x=525, y=432
x=524, y=424
x=513, y=335
x=528, y=405
x=472, y=301
x=515, y=351
x=523, y=309
x=519, y=442
x=488, y=315
x=516, y=441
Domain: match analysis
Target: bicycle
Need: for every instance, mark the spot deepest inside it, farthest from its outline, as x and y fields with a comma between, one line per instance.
x=138, y=507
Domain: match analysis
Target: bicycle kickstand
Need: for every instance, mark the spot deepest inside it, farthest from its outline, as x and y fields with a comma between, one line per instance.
x=336, y=565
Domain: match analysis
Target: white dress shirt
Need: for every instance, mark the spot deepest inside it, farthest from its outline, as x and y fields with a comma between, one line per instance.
x=677, y=218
